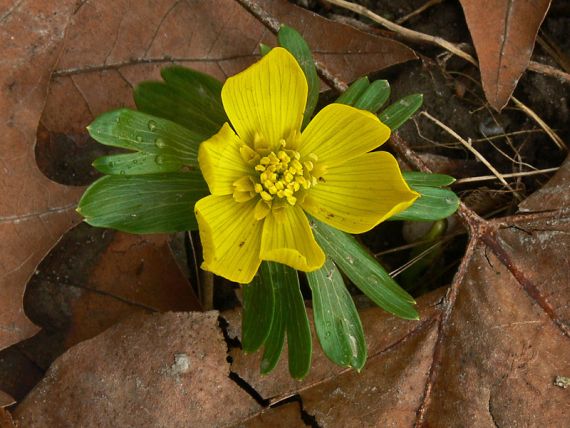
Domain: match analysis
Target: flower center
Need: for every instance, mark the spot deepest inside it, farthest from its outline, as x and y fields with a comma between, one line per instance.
x=281, y=175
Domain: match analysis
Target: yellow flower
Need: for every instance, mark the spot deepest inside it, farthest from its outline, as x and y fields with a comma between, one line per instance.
x=264, y=173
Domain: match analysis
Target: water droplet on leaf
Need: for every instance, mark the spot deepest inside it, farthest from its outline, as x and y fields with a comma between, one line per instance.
x=159, y=160
x=160, y=143
x=151, y=125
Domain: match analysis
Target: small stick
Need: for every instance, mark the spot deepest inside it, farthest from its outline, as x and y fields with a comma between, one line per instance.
x=434, y=40
x=403, y=31
x=553, y=135
x=514, y=174
x=469, y=147
x=548, y=70
x=419, y=10
x=454, y=49
x=207, y=290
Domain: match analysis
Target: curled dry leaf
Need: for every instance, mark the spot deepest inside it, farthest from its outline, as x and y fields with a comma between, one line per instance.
x=34, y=211
x=109, y=47
x=504, y=33
x=94, y=278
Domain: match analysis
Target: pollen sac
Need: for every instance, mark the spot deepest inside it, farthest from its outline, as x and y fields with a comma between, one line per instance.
x=282, y=175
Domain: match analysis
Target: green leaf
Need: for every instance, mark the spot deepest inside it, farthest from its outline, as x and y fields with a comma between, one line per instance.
x=290, y=315
x=395, y=115
x=276, y=337
x=434, y=204
x=354, y=91
x=291, y=40
x=144, y=203
x=187, y=97
x=374, y=97
x=264, y=49
x=258, y=310
x=163, y=145
x=299, y=340
x=364, y=271
x=338, y=325
x=139, y=163
x=416, y=178
x=275, y=275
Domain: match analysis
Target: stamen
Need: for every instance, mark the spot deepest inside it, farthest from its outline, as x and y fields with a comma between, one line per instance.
x=283, y=176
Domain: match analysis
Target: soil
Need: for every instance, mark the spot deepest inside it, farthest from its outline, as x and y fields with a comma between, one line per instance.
x=452, y=93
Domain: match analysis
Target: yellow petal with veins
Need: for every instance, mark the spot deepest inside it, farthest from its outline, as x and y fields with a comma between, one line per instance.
x=231, y=237
x=359, y=194
x=265, y=103
x=221, y=162
x=339, y=133
x=288, y=239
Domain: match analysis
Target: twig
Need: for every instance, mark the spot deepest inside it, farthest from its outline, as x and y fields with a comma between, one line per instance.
x=207, y=290
x=553, y=135
x=419, y=10
x=416, y=36
x=548, y=70
x=514, y=174
x=469, y=147
x=414, y=260
x=403, y=31
x=456, y=50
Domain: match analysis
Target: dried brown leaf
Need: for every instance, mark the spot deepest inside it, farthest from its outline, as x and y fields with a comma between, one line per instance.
x=504, y=33
x=34, y=211
x=151, y=370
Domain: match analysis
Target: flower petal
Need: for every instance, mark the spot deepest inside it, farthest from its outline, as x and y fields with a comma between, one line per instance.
x=339, y=133
x=221, y=162
x=267, y=99
x=359, y=194
x=288, y=239
x=231, y=237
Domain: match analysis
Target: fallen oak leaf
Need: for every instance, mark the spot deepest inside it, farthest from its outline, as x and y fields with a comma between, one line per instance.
x=124, y=53
x=6, y=419
x=34, y=211
x=150, y=370
x=93, y=279
x=494, y=342
x=504, y=33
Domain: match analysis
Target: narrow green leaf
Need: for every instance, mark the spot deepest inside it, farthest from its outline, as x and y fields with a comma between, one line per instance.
x=395, y=115
x=144, y=203
x=354, y=91
x=187, y=97
x=364, y=271
x=164, y=146
x=338, y=325
x=299, y=340
x=291, y=40
x=374, y=96
x=258, y=310
x=139, y=163
x=416, y=178
x=434, y=204
x=274, y=274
